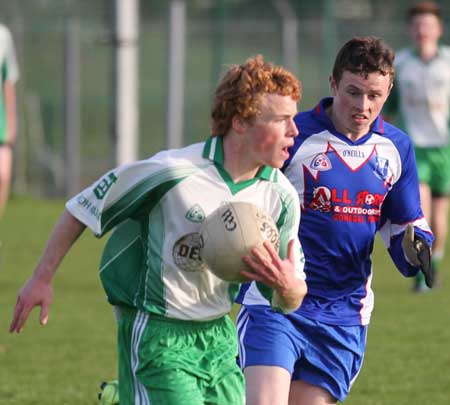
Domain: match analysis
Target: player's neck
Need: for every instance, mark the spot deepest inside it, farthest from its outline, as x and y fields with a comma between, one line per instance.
x=428, y=51
x=237, y=160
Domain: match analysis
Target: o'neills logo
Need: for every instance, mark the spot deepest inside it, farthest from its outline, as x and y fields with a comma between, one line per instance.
x=353, y=153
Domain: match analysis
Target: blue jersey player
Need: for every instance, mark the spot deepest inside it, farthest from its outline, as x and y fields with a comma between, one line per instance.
x=355, y=175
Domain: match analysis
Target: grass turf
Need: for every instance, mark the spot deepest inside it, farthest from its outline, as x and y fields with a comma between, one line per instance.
x=407, y=360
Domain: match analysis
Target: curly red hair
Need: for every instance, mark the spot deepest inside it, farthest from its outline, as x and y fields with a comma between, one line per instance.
x=241, y=89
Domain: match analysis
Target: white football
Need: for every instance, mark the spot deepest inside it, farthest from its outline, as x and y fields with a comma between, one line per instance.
x=230, y=232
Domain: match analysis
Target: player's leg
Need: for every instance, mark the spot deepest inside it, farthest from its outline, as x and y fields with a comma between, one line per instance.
x=440, y=227
x=330, y=363
x=5, y=175
x=269, y=346
x=161, y=361
x=147, y=363
x=426, y=201
x=439, y=224
x=303, y=393
x=224, y=382
x=129, y=338
x=440, y=190
x=260, y=381
x=144, y=375
x=172, y=362
x=229, y=390
x=425, y=163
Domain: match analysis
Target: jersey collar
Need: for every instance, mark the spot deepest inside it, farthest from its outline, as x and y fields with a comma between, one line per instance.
x=213, y=151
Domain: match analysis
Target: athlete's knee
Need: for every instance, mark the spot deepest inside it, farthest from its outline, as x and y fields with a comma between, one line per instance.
x=303, y=393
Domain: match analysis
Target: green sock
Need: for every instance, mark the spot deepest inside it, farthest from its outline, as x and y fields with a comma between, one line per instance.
x=420, y=278
x=435, y=263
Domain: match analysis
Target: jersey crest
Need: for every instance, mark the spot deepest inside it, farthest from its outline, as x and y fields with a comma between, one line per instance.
x=381, y=167
x=321, y=162
x=195, y=214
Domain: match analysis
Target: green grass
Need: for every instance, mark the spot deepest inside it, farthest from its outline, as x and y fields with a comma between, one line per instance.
x=407, y=361
x=65, y=361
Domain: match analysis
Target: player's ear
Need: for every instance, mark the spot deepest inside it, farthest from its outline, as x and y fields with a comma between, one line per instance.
x=238, y=124
x=390, y=88
x=333, y=84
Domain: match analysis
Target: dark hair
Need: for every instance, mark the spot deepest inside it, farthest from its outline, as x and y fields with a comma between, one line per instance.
x=241, y=89
x=364, y=55
x=424, y=7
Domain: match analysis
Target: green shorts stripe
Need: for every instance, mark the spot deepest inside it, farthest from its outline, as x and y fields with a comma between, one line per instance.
x=171, y=362
x=140, y=393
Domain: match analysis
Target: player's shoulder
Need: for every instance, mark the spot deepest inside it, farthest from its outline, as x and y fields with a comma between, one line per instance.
x=285, y=185
x=403, y=53
x=188, y=155
x=308, y=122
x=444, y=51
x=403, y=56
x=284, y=182
x=392, y=131
x=5, y=35
x=4, y=30
x=170, y=164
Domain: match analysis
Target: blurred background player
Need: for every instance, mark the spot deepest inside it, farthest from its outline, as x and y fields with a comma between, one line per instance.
x=176, y=342
x=355, y=175
x=421, y=100
x=8, y=119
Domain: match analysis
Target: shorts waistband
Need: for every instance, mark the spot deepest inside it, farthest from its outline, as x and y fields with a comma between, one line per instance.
x=131, y=312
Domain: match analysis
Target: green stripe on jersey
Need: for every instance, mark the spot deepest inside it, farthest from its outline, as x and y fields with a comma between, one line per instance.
x=133, y=198
x=285, y=222
x=154, y=300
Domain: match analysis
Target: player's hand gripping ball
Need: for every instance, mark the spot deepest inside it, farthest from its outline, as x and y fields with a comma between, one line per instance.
x=230, y=232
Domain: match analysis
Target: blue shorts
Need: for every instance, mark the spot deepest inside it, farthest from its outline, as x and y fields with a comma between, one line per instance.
x=328, y=356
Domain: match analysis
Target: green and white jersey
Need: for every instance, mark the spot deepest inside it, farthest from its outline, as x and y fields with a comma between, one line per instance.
x=152, y=260
x=422, y=96
x=9, y=72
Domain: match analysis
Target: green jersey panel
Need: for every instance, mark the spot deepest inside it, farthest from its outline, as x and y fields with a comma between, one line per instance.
x=123, y=251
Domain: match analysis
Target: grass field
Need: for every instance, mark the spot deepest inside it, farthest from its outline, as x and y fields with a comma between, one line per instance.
x=407, y=361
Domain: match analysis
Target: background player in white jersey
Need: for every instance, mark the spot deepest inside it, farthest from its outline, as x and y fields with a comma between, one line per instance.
x=8, y=118
x=176, y=342
x=355, y=175
x=421, y=101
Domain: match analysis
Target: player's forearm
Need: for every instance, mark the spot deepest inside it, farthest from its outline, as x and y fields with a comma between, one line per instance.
x=65, y=233
x=290, y=299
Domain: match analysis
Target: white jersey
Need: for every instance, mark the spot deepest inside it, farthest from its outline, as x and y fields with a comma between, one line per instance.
x=9, y=73
x=424, y=96
x=10, y=70
x=167, y=197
